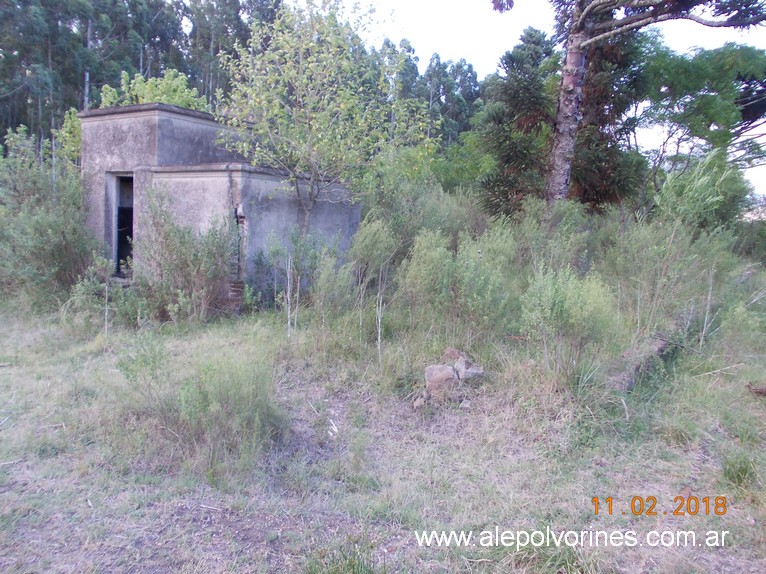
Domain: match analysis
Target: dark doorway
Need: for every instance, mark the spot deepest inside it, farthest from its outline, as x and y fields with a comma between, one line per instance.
x=124, y=222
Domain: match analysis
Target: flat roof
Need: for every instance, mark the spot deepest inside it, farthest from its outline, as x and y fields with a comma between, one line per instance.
x=153, y=107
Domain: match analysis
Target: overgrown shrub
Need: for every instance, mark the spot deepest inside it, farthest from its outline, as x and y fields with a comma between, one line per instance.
x=555, y=236
x=568, y=315
x=44, y=242
x=751, y=239
x=96, y=302
x=183, y=273
x=489, y=283
x=427, y=277
x=171, y=88
x=333, y=288
x=665, y=279
x=402, y=192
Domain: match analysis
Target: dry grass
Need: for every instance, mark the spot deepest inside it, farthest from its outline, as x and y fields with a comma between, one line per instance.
x=90, y=484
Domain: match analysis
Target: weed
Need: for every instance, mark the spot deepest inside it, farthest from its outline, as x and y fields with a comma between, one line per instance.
x=354, y=556
x=740, y=468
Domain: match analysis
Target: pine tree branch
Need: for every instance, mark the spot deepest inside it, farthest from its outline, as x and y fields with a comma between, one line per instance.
x=623, y=26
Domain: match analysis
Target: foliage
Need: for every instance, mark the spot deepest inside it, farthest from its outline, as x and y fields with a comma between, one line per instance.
x=464, y=164
x=605, y=168
x=427, y=276
x=44, y=243
x=709, y=195
x=451, y=90
x=183, y=273
x=332, y=291
x=488, y=281
x=401, y=190
x=171, y=88
x=567, y=315
x=69, y=138
x=56, y=55
x=395, y=72
x=373, y=248
x=514, y=127
x=751, y=234
x=216, y=27
x=586, y=25
x=707, y=100
x=302, y=100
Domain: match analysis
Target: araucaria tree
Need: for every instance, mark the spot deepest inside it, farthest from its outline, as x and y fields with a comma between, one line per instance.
x=585, y=23
x=302, y=100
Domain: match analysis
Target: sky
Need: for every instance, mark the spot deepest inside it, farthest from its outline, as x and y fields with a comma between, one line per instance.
x=474, y=31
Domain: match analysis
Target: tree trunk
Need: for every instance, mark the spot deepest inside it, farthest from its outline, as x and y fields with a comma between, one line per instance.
x=86, y=79
x=568, y=118
x=306, y=220
x=306, y=201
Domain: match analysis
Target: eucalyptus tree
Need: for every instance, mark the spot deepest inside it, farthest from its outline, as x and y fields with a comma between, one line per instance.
x=395, y=70
x=40, y=52
x=216, y=26
x=586, y=23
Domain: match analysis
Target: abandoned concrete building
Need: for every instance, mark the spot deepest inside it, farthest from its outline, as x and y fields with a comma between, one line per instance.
x=129, y=150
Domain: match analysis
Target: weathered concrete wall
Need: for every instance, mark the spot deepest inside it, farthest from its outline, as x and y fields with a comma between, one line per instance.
x=271, y=208
x=207, y=193
x=117, y=141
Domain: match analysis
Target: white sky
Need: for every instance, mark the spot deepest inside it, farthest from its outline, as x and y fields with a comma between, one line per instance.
x=474, y=31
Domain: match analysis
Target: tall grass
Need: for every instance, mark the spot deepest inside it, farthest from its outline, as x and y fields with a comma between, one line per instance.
x=215, y=417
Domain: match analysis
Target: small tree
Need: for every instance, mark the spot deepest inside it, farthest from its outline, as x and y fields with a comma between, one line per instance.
x=172, y=88
x=302, y=100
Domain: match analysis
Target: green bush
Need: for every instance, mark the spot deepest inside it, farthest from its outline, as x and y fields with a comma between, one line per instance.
x=96, y=301
x=556, y=236
x=427, y=277
x=662, y=275
x=333, y=288
x=229, y=408
x=751, y=239
x=568, y=315
x=711, y=194
x=171, y=88
x=44, y=242
x=182, y=273
x=402, y=192
x=489, y=283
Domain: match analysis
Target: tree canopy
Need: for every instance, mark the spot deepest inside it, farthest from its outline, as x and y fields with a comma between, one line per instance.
x=303, y=99
x=584, y=24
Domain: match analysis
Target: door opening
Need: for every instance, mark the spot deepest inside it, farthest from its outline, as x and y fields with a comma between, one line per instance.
x=124, y=223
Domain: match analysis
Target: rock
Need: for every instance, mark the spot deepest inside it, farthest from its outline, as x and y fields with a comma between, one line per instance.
x=467, y=370
x=440, y=381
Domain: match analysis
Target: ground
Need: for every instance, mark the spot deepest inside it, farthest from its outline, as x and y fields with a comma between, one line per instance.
x=89, y=483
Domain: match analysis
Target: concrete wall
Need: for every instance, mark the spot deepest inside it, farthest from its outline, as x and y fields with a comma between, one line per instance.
x=177, y=150
x=118, y=141
x=207, y=193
